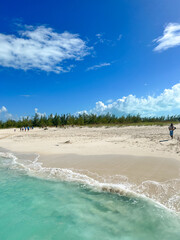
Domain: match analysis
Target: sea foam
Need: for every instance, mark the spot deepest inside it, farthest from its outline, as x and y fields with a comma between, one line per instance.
x=165, y=194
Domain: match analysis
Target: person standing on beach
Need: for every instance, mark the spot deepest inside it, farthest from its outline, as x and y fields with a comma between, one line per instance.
x=171, y=130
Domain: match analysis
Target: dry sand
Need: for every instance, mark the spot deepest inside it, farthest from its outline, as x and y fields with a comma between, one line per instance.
x=144, y=157
x=140, y=153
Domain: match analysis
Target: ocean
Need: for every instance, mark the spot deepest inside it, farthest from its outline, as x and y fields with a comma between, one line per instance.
x=36, y=206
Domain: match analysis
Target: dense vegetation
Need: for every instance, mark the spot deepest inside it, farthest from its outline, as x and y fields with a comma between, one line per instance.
x=87, y=119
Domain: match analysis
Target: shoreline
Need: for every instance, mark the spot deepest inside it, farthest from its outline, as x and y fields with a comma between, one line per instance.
x=157, y=188
x=140, y=159
x=136, y=168
x=140, y=153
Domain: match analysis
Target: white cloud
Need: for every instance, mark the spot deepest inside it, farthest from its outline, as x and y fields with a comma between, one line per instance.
x=167, y=103
x=4, y=114
x=95, y=67
x=39, y=114
x=100, y=37
x=81, y=112
x=170, y=38
x=41, y=48
x=102, y=40
x=110, y=42
x=3, y=109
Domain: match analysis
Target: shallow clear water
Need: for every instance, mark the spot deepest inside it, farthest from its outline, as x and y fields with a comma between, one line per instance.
x=33, y=208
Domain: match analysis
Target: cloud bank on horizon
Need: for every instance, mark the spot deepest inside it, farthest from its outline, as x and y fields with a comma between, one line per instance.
x=41, y=48
x=5, y=115
x=170, y=38
x=167, y=103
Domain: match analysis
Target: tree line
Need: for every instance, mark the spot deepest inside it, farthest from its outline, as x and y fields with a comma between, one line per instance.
x=85, y=119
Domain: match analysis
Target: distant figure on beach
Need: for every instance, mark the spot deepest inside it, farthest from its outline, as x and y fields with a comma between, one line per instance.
x=171, y=130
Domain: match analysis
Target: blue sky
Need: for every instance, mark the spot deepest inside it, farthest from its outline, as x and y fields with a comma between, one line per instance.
x=99, y=56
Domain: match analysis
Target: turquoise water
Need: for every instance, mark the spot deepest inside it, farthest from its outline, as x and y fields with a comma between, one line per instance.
x=33, y=208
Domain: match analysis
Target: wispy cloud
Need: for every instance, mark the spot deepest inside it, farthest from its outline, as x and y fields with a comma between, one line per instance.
x=41, y=48
x=170, y=38
x=95, y=67
x=168, y=102
x=119, y=37
x=103, y=40
x=100, y=38
x=25, y=95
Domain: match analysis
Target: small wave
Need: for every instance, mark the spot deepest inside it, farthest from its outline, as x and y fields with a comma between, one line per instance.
x=166, y=194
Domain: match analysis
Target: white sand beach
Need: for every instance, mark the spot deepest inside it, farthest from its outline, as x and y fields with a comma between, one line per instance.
x=109, y=147
x=142, y=154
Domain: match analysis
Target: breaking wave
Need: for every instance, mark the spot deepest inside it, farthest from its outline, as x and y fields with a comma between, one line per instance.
x=166, y=194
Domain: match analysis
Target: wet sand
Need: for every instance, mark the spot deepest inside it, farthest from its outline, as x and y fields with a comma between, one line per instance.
x=136, y=168
x=144, y=157
x=140, y=153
